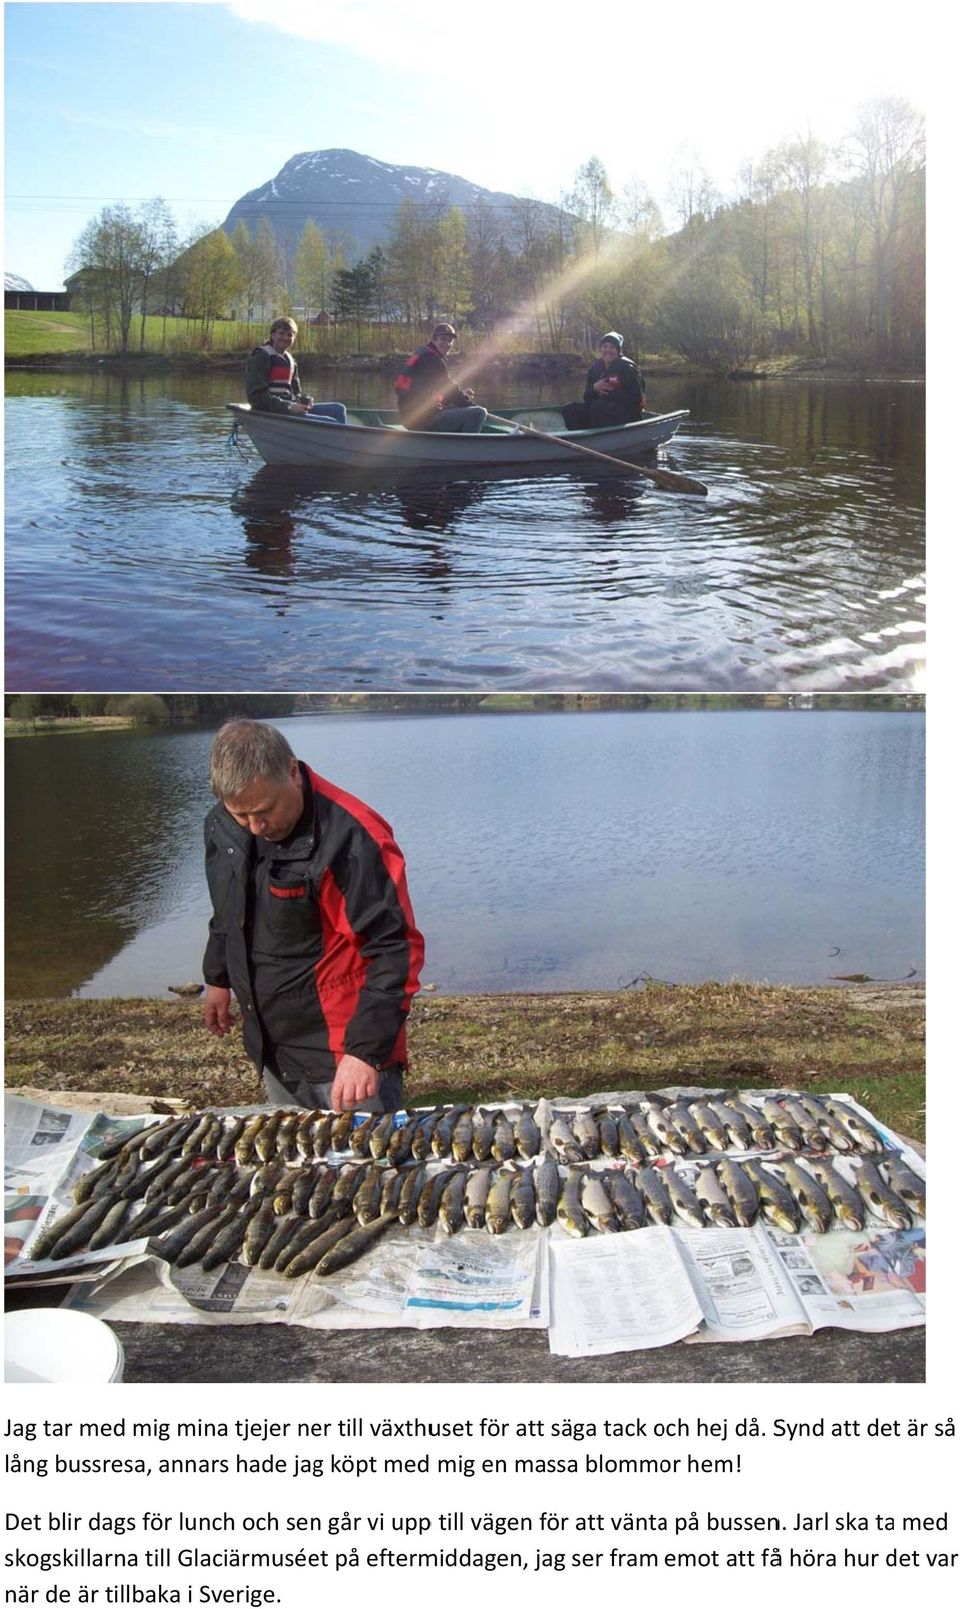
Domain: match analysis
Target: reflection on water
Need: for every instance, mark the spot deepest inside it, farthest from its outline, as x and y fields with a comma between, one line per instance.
x=141, y=553
x=567, y=851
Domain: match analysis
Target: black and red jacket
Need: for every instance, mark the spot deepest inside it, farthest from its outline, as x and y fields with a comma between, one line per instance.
x=423, y=387
x=314, y=935
x=272, y=380
x=629, y=386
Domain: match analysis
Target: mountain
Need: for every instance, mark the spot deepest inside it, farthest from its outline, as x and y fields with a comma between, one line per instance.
x=16, y=282
x=353, y=196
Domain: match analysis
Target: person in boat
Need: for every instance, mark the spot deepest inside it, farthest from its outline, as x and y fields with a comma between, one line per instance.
x=273, y=384
x=614, y=393
x=312, y=929
x=427, y=397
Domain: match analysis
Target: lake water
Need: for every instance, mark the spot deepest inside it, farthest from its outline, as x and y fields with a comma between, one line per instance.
x=544, y=851
x=141, y=554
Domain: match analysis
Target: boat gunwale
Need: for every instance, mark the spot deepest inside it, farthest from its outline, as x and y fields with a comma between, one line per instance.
x=243, y=411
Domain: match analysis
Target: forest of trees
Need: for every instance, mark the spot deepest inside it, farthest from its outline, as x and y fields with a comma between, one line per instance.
x=819, y=255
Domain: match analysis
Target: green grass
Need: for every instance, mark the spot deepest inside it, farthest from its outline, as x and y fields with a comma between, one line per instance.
x=27, y=333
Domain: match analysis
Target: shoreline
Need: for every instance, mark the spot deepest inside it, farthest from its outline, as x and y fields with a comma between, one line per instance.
x=864, y=1039
x=545, y=366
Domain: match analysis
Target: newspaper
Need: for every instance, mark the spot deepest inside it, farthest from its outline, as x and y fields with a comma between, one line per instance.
x=644, y=1288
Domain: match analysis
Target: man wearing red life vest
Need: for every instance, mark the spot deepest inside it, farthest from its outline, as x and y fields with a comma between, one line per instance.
x=427, y=397
x=312, y=928
x=273, y=384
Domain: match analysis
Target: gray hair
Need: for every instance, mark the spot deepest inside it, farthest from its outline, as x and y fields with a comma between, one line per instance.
x=243, y=751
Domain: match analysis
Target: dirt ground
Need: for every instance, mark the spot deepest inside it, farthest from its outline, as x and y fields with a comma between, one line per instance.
x=864, y=1039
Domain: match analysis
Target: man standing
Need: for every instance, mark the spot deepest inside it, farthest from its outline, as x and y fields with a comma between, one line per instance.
x=312, y=928
x=427, y=397
x=613, y=393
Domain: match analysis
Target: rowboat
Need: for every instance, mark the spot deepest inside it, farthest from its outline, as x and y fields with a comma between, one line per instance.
x=374, y=438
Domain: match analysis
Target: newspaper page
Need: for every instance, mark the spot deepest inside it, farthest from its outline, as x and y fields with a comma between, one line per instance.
x=619, y=1293
x=740, y=1284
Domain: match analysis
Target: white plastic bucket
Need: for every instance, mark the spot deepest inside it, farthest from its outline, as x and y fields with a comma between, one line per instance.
x=52, y=1345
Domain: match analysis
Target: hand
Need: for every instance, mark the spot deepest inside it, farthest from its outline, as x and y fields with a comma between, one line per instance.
x=356, y=1081
x=299, y=407
x=601, y=387
x=470, y=392
x=217, y=1016
x=307, y=401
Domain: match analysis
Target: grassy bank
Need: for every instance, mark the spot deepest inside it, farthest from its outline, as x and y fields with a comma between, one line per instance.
x=865, y=1039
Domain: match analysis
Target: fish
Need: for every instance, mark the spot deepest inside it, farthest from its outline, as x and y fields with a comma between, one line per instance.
x=504, y=1141
x=776, y=1203
x=353, y=1245
x=316, y=1246
x=546, y=1183
x=681, y=1117
x=646, y=1136
x=349, y=1179
x=304, y=1234
x=809, y=1195
x=390, y=1194
x=836, y=1134
x=122, y=1143
x=422, y=1141
x=787, y=1133
x=598, y=1206
x=231, y=1129
x=664, y=1130
x=882, y=1201
x=366, y=1202
x=441, y=1140
x=630, y=1146
x=811, y=1136
x=401, y=1140
x=451, y=1203
x=360, y=1136
x=321, y=1133
x=586, y=1133
x=283, y=1231
x=258, y=1232
x=475, y=1197
x=709, y=1123
x=740, y=1191
x=483, y=1132
x=627, y=1201
x=656, y=1197
x=111, y=1230
x=461, y=1138
x=562, y=1139
x=497, y=1210
x=381, y=1136
x=569, y=1211
x=174, y=1241
x=527, y=1134
x=282, y=1191
x=428, y=1205
x=264, y=1180
x=844, y=1199
x=322, y=1192
x=864, y=1137
x=736, y=1125
x=159, y=1137
x=230, y=1238
x=75, y=1229
x=341, y=1131
x=197, y=1135
x=907, y=1184
x=243, y=1147
x=710, y=1195
x=761, y=1131
x=523, y=1198
x=94, y=1179
x=211, y=1136
x=684, y=1201
x=303, y=1187
x=410, y=1193
x=609, y=1134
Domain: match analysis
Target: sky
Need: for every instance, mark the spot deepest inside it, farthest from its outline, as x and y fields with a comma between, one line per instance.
x=200, y=103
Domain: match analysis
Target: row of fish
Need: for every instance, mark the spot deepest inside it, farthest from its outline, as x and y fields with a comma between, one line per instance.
x=319, y=1215
x=657, y=1129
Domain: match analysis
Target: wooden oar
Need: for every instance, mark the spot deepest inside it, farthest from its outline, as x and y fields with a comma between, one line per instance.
x=666, y=478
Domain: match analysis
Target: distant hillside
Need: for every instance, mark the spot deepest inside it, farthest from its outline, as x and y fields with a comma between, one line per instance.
x=354, y=196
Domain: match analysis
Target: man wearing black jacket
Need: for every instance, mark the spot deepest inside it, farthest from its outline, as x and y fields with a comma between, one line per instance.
x=312, y=928
x=614, y=390
x=427, y=397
